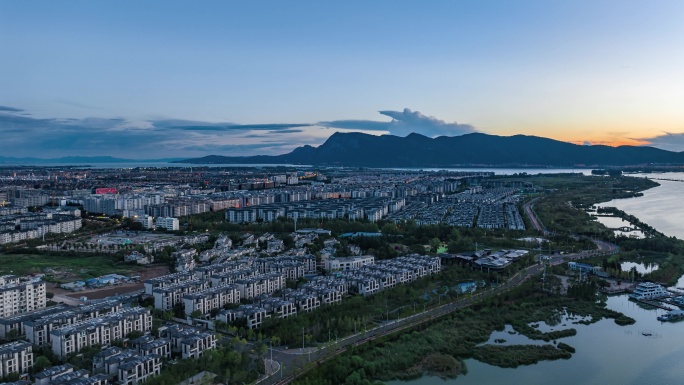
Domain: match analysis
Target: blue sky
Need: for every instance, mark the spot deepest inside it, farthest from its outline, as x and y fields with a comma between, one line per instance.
x=181, y=78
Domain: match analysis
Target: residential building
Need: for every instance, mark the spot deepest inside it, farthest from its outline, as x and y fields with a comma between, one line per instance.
x=100, y=331
x=21, y=295
x=168, y=223
x=15, y=357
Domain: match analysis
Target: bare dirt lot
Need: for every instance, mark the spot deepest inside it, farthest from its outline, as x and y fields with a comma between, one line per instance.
x=147, y=273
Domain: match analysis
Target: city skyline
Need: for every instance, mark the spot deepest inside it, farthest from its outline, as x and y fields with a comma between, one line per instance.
x=171, y=79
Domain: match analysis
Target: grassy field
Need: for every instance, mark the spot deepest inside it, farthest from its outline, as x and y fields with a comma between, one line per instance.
x=63, y=268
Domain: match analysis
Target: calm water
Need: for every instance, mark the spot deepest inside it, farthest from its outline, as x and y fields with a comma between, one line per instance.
x=606, y=354
x=161, y=165
x=643, y=268
x=660, y=207
x=503, y=171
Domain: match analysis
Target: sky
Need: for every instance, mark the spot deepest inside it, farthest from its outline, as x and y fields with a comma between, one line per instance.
x=168, y=79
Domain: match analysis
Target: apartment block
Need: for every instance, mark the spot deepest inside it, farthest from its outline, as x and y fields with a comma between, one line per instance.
x=186, y=341
x=21, y=295
x=15, y=357
x=38, y=330
x=215, y=298
x=100, y=331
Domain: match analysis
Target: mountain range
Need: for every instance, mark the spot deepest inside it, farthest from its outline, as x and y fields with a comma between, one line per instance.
x=80, y=160
x=476, y=149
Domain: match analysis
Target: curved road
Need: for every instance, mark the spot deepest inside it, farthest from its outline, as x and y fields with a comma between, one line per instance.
x=295, y=362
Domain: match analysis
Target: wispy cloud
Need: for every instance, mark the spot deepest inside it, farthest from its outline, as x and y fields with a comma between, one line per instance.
x=258, y=127
x=9, y=109
x=52, y=137
x=366, y=125
x=25, y=135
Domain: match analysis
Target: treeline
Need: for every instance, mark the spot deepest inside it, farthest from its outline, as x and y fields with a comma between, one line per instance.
x=359, y=312
x=644, y=227
x=439, y=348
x=229, y=365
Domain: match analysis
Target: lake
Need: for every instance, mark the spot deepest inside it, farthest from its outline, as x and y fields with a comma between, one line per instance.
x=500, y=171
x=659, y=207
x=605, y=354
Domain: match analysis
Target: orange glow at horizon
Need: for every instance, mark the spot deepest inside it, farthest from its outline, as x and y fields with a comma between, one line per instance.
x=612, y=143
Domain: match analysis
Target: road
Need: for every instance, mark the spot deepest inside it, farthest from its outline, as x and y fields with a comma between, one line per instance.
x=603, y=247
x=296, y=362
x=528, y=207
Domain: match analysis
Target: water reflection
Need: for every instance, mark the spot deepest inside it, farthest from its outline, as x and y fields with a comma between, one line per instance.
x=606, y=354
x=619, y=226
x=641, y=267
x=659, y=207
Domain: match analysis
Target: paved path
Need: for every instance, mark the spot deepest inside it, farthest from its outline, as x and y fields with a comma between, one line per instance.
x=529, y=211
x=296, y=362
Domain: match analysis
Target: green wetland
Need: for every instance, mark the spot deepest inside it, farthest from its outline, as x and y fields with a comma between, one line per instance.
x=604, y=354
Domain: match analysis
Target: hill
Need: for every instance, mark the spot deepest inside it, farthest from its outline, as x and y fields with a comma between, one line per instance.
x=477, y=149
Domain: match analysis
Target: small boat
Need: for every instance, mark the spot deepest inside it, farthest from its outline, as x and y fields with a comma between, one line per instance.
x=647, y=333
x=674, y=315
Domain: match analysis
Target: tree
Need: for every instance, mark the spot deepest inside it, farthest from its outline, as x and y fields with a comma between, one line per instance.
x=41, y=363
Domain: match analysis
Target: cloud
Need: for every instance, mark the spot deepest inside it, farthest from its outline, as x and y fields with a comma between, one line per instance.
x=403, y=123
x=227, y=149
x=366, y=125
x=258, y=127
x=667, y=141
x=407, y=121
x=10, y=109
x=24, y=135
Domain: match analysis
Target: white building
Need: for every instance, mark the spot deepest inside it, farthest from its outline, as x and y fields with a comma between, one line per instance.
x=15, y=357
x=138, y=369
x=214, y=298
x=20, y=295
x=348, y=263
x=195, y=346
x=168, y=223
x=146, y=220
x=100, y=331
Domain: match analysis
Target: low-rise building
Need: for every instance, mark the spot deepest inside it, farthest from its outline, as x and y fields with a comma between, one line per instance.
x=348, y=263
x=215, y=298
x=48, y=375
x=21, y=295
x=100, y=331
x=254, y=315
x=186, y=341
x=138, y=369
x=15, y=357
x=147, y=345
x=167, y=223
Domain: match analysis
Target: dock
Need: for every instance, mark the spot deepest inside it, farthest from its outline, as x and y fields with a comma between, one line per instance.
x=610, y=291
x=653, y=303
